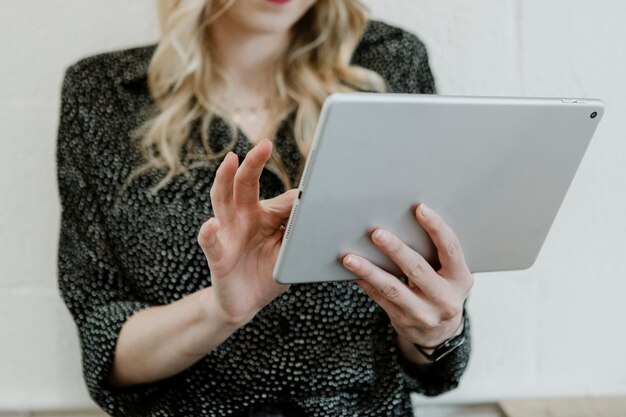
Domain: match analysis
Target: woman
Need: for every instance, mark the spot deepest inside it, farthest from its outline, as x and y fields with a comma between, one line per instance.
x=170, y=284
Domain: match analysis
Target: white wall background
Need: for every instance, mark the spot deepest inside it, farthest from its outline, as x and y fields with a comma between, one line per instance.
x=556, y=329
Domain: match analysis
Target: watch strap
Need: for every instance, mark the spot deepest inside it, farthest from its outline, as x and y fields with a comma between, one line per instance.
x=447, y=346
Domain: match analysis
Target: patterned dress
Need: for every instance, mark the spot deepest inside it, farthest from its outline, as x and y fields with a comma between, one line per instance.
x=325, y=348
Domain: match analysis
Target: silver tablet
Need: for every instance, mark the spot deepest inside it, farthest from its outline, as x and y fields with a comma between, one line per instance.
x=495, y=168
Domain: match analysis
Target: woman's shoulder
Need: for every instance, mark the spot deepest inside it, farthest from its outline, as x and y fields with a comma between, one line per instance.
x=96, y=111
x=398, y=55
x=105, y=68
x=389, y=38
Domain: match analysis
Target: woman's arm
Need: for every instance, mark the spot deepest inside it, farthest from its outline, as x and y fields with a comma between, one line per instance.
x=161, y=341
x=241, y=244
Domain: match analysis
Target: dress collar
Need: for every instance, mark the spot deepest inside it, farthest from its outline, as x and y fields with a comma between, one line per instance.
x=136, y=67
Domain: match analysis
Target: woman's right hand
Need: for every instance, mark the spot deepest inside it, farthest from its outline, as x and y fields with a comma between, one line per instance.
x=242, y=241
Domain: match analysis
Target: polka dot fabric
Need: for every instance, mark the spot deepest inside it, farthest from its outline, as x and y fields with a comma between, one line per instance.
x=324, y=348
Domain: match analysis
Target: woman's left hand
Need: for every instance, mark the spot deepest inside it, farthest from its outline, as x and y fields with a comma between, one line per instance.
x=429, y=309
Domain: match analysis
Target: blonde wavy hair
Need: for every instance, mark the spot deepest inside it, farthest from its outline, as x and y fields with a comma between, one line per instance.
x=181, y=74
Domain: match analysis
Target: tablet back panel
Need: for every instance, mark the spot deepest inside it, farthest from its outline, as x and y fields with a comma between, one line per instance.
x=495, y=168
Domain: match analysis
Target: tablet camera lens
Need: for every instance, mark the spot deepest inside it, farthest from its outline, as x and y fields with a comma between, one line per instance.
x=594, y=114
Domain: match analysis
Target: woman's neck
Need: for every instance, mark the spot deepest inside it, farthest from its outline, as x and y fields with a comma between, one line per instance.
x=248, y=58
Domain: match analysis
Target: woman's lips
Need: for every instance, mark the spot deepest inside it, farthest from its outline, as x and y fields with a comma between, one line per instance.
x=278, y=1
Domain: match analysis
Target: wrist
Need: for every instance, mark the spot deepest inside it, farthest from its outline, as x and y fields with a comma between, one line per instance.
x=409, y=352
x=434, y=353
x=431, y=346
x=213, y=315
x=206, y=327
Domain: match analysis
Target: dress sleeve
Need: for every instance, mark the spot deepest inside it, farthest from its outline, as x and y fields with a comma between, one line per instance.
x=442, y=376
x=89, y=281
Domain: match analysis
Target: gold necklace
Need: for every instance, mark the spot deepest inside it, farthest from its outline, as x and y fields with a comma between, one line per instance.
x=250, y=114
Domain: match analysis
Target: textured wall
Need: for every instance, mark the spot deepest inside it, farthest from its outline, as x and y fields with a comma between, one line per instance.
x=557, y=328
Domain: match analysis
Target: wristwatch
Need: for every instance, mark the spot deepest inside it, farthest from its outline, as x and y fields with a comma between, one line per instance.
x=437, y=352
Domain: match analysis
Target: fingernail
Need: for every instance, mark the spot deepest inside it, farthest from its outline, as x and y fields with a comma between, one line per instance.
x=425, y=210
x=382, y=236
x=351, y=262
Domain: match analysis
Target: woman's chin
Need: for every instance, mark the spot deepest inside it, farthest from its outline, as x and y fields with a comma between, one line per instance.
x=268, y=16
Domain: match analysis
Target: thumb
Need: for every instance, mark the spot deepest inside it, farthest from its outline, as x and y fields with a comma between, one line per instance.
x=281, y=205
x=209, y=242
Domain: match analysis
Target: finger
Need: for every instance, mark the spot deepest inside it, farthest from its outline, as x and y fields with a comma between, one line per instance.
x=386, y=284
x=393, y=311
x=447, y=243
x=209, y=242
x=399, y=317
x=414, y=266
x=281, y=205
x=222, y=189
x=248, y=174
